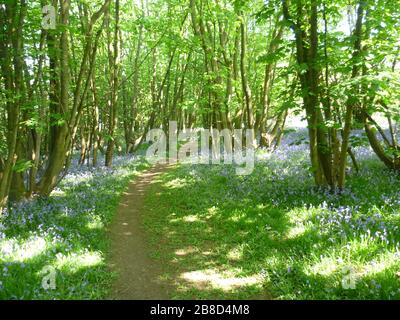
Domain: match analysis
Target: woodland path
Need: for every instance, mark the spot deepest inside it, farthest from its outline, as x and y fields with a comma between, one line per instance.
x=138, y=274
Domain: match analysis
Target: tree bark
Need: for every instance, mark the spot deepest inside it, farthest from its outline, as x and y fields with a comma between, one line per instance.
x=114, y=95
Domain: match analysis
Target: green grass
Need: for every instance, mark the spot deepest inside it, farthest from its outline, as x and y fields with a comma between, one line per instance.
x=65, y=232
x=272, y=235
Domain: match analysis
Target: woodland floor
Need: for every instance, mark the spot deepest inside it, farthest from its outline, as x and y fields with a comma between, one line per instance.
x=203, y=232
x=196, y=231
x=141, y=273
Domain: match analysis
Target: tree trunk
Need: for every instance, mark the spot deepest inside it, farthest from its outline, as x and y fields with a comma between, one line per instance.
x=114, y=95
x=13, y=15
x=350, y=102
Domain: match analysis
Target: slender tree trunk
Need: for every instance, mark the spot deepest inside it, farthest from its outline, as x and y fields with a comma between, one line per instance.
x=350, y=103
x=14, y=15
x=114, y=95
x=243, y=66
